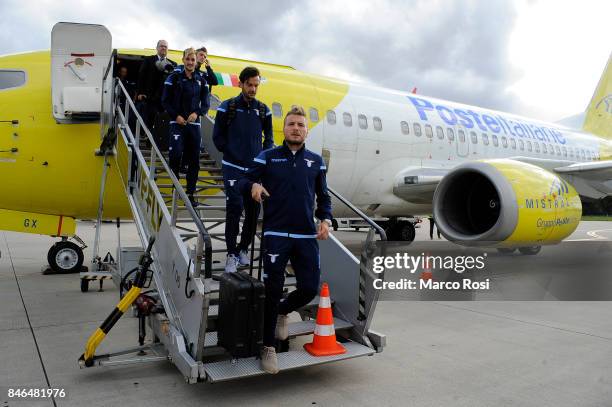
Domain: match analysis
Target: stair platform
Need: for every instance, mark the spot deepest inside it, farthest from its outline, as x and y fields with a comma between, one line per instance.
x=293, y=359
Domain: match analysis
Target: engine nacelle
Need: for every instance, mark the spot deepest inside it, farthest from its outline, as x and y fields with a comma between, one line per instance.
x=506, y=203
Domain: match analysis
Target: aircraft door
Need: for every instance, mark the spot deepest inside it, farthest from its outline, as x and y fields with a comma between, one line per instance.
x=80, y=56
x=463, y=142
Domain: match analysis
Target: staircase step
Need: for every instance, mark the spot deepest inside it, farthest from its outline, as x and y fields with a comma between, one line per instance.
x=293, y=359
x=202, y=186
x=298, y=328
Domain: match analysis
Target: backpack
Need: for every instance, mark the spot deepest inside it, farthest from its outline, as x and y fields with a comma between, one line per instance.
x=231, y=112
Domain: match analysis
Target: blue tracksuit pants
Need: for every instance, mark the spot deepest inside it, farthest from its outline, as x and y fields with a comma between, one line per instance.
x=235, y=203
x=304, y=256
x=185, y=146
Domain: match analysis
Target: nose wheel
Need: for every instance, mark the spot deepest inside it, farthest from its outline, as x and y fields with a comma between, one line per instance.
x=65, y=257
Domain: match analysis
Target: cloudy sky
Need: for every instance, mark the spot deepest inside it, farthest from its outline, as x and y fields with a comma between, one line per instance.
x=539, y=58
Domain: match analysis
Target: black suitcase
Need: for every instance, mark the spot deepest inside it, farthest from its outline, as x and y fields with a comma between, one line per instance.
x=241, y=310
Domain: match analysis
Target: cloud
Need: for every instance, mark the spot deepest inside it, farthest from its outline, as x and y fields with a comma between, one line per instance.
x=450, y=50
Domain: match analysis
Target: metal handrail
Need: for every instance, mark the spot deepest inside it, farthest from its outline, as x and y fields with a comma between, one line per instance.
x=178, y=188
x=379, y=230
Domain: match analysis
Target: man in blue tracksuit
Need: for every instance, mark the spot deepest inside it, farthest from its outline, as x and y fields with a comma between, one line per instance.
x=290, y=177
x=185, y=92
x=239, y=124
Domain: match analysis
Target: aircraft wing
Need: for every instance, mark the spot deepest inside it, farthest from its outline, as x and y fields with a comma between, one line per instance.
x=591, y=179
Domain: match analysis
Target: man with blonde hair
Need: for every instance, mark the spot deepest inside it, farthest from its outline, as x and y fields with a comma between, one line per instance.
x=185, y=94
x=289, y=177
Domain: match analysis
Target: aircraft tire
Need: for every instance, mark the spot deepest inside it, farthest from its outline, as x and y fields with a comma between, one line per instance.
x=530, y=250
x=335, y=225
x=65, y=257
x=403, y=232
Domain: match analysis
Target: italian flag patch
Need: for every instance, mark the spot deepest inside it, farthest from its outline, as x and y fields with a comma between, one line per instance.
x=227, y=79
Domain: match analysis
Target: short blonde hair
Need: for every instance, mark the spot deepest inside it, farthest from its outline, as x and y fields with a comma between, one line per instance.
x=296, y=111
x=188, y=52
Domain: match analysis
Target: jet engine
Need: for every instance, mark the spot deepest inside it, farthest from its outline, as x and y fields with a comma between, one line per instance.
x=505, y=203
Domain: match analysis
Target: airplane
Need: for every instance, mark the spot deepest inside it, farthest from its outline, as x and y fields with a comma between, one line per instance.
x=486, y=176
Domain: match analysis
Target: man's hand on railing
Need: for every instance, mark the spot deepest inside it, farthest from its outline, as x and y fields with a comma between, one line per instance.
x=180, y=120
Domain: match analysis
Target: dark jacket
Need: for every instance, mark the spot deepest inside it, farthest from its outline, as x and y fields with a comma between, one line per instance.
x=151, y=79
x=241, y=141
x=292, y=181
x=183, y=96
x=210, y=78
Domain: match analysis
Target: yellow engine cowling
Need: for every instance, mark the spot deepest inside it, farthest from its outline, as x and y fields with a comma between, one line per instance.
x=505, y=203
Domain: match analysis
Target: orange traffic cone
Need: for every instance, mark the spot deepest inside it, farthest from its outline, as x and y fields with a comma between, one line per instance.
x=427, y=274
x=324, y=340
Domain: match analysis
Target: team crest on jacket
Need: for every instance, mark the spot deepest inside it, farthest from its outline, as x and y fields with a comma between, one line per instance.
x=273, y=257
x=308, y=162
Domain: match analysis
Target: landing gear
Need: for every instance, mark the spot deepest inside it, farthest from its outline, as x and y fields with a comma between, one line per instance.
x=530, y=250
x=65, y=257
x=402, y=231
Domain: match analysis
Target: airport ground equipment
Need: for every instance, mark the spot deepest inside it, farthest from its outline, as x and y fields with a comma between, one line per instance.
x=189, y=254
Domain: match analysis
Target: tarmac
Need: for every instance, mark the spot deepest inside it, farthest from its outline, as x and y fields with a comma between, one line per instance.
x=476, y=353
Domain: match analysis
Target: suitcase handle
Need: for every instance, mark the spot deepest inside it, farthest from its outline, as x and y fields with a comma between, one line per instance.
x=261, y=241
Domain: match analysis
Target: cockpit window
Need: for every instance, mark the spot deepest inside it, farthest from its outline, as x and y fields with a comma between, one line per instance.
x=11, y=79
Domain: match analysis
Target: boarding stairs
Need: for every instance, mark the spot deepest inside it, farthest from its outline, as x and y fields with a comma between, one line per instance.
x=189, y=254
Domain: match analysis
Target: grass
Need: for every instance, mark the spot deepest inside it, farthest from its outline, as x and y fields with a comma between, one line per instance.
x=597, y=218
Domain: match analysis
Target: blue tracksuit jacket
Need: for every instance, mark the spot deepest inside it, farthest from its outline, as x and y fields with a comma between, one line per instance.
x=292, y=181
x=241, y=141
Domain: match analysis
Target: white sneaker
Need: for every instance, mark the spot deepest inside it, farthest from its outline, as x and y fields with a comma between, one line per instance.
x=269, y=362
x=244, y=258
x=282, y=327
x=231, y=263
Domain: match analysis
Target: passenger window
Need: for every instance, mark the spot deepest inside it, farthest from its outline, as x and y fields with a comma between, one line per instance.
x=564, y=152
x=551, y=149
x=348, y=119
x=331, y=117
x=474, y=137
x=417, y=129
x=461, y=136
x=504, y=142
x=521, y=145
x=428, y=131
x=377, y=123
x=495, y=140
x=440, y=132
x=450, y=133
x=558, y=150
x=405, y=127
x=485, y=139
x=544, y=148
x=529, y=148
x=277, y=109
x=363, y=121
x=583, y=155
x=513, y=143
x=536, y=146
x=314, y=115
x=11, y=79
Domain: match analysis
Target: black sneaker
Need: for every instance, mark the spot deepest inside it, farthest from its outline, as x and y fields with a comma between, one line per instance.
x=193, y=201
